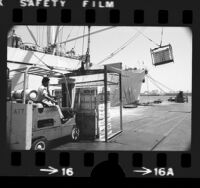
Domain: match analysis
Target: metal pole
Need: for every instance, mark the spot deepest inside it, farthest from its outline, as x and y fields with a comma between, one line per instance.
x=105, y=101
x=27, y=82
x=88, y=50
x=88, y=40
x=68, y=93
x=24, y=87
x=120, y=98
x=151, y=51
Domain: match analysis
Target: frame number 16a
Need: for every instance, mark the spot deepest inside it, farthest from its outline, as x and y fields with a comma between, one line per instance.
x=156, y=171
x=163, y=172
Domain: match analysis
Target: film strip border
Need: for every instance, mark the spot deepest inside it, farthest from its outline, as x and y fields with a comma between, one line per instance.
x=114, y=16
x=84, y=163
x=91, y=164
x=84, y=12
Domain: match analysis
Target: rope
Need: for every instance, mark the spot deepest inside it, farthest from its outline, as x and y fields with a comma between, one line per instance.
x=67, y=39
x=83, y=40
x=82, y=47
x=148, y=88
x=36, y=34
x=161, y=37
x=121, y=48
x=161, y=84
x=61, y=28
x=61, y=36
x=148, y=38
x=50, y=67
x=39, y=35
x=69, y=33
x=12, y=75
x=156, y=85
x=33, y=37
x=95, y=32
x=42, y=35
x=56, y=35
x=76, y=39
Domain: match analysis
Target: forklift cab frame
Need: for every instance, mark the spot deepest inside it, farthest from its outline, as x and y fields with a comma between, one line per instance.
x=43, y=129
x=38, y=71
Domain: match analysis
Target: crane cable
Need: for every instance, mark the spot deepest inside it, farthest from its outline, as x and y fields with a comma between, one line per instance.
x=83, y=40
x=161, y=37
x=152, y=81
x=56, y=36
x=155, y=83
x=69, y=33
x=82, y=47
x=61, y=29
x=148, y=38
x=121, y=48
x=148, y=88
x=95, y=32
x=68, y=37
x=161, y=84
x=61, y=36
x=39, y=35
x=76, y=39
x=42, y=34
x=51, y=68
x=33, y=37
x=66, y=85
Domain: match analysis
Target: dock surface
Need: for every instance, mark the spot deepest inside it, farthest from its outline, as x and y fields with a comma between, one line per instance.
x=160, y=127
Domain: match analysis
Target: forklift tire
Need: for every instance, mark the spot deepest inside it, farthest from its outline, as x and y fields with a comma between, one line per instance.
x=75, y=135
x=39, y=144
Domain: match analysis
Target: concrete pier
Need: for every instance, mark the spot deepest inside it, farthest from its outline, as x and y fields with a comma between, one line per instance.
x=160, y=127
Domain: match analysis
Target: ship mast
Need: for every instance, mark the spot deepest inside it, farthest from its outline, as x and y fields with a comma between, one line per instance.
x=85, y=63
x=87, y=59
x=52, y=35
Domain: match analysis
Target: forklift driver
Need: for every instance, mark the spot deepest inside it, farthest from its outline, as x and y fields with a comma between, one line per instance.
x=45, y=98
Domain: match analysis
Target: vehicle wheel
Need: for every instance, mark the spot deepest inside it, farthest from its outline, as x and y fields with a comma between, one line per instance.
x=39, y=144
x=75, y=134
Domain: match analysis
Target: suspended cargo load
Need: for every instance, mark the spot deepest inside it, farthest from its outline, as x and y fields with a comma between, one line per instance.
x=162, y=55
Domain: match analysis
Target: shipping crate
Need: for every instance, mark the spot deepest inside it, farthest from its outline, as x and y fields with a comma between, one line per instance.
x=85, y=100
x=87, y=124
x=89, y=102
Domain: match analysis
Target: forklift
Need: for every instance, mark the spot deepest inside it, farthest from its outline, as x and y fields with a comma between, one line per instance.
x=32, y=125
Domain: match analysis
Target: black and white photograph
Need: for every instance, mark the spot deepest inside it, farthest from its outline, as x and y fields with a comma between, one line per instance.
x=99, y=88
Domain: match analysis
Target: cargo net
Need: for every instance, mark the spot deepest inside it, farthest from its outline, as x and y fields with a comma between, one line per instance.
x=162, y=55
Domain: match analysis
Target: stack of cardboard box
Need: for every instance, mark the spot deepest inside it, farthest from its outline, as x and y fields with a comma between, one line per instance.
x=101, y=113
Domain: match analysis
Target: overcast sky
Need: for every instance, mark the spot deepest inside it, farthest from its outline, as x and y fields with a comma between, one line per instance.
x=177, y=75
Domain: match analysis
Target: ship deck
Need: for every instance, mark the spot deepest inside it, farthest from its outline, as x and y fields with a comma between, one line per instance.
x=160, y=127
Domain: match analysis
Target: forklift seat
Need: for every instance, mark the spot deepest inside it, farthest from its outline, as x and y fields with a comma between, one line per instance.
x=40, y=103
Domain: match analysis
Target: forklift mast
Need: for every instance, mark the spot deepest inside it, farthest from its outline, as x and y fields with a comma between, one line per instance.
x=67, y=92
